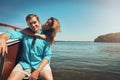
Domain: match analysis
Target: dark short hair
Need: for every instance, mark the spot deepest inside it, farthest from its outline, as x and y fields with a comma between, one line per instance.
x=29, y=16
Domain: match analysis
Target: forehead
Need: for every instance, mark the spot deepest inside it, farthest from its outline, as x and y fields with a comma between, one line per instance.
x=49, y=20
x=32, y=19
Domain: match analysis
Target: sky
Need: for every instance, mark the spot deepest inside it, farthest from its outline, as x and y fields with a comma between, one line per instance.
x=80, y=20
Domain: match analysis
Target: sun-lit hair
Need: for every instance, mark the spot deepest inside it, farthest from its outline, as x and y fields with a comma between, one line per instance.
x=29, y=16
x=54, y=28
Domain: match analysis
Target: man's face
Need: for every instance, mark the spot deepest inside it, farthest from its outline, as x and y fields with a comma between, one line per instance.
x=34, y=24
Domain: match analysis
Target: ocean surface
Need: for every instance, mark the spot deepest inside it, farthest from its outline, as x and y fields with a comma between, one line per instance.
x=85, y=60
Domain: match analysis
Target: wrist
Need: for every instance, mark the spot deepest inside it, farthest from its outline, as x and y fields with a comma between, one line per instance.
x=1, y=38
x=38, y=70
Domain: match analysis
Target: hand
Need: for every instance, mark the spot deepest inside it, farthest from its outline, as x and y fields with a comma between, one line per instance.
x=3, y=47
x=34, y=75
x=28, y=32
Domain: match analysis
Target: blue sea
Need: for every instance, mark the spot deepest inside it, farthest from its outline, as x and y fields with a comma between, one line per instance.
x=85, y=60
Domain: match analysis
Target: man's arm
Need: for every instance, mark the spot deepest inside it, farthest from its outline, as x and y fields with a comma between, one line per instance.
x=36, y=72
x=10, y=26
x=43, y=64
x=3, y=45
x=45, y=61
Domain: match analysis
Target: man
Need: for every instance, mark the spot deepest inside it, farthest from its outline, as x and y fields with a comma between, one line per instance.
x=36, y=55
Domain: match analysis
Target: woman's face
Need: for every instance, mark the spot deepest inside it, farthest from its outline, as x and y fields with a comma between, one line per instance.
x=48, y=25
x=34, y=24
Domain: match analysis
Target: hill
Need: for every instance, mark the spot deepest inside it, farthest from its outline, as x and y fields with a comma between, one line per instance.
x=111, y=37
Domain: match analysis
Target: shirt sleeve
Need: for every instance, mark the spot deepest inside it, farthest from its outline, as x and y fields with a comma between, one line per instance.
x=15, y=34
x=47, y=52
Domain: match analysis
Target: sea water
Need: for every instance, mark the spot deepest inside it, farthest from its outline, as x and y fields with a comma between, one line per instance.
x=85, y=60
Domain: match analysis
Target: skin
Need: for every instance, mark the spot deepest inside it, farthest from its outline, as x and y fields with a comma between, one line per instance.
x=34, y=25
x=47, y=25
x=3, y=45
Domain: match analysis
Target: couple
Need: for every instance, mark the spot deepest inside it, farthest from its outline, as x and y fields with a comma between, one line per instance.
x=36, y=56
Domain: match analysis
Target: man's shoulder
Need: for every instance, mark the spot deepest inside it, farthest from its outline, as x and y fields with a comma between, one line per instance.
x=15, y=34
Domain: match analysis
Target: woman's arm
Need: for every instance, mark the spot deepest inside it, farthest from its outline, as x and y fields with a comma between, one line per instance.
x=43, y=36
x=28, y=32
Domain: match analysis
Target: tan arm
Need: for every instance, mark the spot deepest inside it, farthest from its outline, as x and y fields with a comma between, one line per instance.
x=10, y=26
x=41, y=35
x=28, y=32
x=36, y=72
x=4, y=36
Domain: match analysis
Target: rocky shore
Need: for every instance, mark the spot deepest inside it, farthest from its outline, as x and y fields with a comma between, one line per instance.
x=111, y=37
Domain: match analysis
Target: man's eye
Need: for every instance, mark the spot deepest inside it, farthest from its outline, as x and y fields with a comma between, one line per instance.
x=30, y=23
x=34, y=22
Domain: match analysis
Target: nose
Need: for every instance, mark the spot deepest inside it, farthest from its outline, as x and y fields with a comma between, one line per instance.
x=46, y=27
x=33, y=25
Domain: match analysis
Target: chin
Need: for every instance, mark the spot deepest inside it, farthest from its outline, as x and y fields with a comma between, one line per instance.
x=36, y=31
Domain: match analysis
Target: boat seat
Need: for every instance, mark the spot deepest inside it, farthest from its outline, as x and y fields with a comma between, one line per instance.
x=11, y=59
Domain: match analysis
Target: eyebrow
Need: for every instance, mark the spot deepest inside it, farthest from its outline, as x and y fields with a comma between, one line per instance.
x=32, y=22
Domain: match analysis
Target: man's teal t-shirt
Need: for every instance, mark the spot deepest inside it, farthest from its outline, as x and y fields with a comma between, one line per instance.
x=32, y=55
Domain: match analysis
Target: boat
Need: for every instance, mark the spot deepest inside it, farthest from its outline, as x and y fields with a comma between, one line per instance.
x=8, y=62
